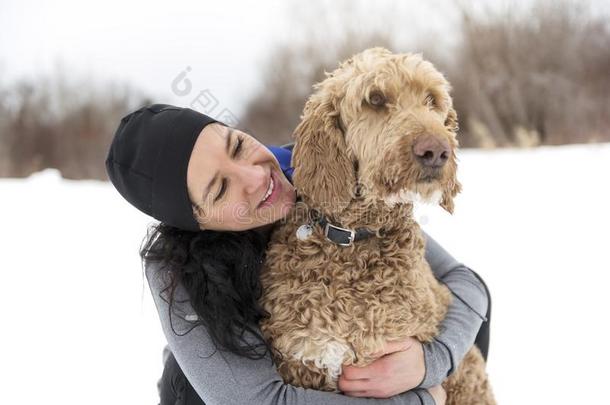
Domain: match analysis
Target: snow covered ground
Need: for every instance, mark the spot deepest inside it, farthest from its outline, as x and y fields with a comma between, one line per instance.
x=79, y=325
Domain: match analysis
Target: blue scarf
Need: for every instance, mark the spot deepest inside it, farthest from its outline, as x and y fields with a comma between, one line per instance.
x=283, y=155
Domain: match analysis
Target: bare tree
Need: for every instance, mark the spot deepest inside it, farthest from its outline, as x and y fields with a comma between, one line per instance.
x=521, y=77
x=53, y=123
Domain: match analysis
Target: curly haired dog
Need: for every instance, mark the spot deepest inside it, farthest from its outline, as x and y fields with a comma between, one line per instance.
x=377, y=132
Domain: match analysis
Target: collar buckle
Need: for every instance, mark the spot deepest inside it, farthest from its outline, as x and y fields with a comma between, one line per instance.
x=338, y=235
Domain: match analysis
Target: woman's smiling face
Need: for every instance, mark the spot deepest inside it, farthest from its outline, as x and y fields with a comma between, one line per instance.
x=234, y=182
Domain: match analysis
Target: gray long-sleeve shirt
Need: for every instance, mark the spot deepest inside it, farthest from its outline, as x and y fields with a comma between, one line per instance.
x=223, y=378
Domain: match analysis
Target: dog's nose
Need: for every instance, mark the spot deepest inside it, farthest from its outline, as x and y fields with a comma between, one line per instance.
x=431, y=151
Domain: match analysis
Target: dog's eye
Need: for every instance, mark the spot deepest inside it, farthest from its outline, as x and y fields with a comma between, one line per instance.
x=377, y=99
x=430, y=101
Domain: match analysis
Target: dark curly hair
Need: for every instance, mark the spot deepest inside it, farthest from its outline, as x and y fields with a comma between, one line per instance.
x=220, y=273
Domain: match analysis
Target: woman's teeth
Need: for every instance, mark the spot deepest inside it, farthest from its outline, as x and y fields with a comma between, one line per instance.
x=269, y=191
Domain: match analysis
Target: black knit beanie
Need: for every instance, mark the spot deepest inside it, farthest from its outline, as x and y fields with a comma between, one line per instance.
x=148, y=160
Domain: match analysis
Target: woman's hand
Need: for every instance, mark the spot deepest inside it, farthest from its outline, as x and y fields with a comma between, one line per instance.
x=399, y=368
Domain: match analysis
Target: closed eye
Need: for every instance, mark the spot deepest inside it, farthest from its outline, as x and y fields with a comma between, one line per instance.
x=238, y=147
x=235, y=153
x=223, y=189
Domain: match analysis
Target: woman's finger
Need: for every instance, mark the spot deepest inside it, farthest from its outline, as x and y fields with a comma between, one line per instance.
x=346, y=385
x=354, y=373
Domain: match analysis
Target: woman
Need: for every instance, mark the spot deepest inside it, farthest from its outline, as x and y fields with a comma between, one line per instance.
x=217, y=192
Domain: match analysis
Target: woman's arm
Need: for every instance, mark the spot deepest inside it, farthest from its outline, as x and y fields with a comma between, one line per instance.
x=464, y=317
x=224, y=378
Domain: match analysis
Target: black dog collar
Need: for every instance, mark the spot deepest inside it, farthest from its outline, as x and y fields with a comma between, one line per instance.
x=343, y=236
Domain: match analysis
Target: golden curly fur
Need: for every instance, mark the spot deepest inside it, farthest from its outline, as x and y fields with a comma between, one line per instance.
x=331, y=305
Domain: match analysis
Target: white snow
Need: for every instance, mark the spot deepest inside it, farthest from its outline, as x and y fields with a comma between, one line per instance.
x=79, y=325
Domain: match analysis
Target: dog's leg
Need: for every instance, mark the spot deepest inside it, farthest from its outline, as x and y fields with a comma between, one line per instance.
x=469, y=384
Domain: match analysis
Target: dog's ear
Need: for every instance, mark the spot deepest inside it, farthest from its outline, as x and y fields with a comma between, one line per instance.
x=323, y=173
x=450, y=191
x=453, y=187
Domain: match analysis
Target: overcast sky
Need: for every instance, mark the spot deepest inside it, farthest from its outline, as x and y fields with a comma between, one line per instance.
x=148, y=43
x=144, y=43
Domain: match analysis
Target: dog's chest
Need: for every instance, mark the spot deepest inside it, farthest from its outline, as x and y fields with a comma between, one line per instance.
x=370, y=282
x=331, y=305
